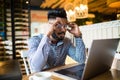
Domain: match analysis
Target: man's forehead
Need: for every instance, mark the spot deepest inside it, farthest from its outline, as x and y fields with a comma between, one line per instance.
x=52, y=20
x=57, y=19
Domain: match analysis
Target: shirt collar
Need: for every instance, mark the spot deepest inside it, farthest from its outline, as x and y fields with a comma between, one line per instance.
x=58, y=44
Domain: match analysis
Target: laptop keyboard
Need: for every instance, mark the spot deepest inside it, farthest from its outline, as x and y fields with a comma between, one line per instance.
x=74, y=72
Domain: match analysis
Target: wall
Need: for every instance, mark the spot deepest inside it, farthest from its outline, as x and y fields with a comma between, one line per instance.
x=105, y=30
x=38, y=22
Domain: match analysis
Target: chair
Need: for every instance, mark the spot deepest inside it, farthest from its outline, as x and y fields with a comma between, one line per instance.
x=24, y=56
x=10, y=70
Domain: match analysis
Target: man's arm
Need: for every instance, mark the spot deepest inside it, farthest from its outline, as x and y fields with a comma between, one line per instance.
x=37, y=57
x=77, y=52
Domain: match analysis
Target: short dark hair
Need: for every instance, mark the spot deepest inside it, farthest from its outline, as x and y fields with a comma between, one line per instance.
x=57, y=13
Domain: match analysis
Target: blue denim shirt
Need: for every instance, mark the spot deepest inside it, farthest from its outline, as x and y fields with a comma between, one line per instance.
x=42, y=53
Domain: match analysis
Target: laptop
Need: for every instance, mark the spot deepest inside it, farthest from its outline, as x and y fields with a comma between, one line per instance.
x=100, y=58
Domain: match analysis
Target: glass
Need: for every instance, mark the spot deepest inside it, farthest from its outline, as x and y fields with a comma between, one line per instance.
x=58, y=25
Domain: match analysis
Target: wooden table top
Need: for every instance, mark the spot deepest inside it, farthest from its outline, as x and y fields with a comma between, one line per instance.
x=55, y=76
x=109, y=75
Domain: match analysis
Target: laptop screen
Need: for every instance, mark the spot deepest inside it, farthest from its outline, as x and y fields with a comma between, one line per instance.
x=100, y=58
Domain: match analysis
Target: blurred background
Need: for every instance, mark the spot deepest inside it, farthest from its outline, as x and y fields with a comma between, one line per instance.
x=22, y=19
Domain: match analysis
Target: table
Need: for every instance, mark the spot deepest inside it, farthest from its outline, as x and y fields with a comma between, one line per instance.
x=108, y=75
x=10, y=70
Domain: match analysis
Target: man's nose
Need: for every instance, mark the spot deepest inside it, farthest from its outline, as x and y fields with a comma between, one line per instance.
x=63, y=28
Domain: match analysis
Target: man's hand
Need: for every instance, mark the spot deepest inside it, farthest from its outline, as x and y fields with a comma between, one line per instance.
x=74, y=30
x=51, y=27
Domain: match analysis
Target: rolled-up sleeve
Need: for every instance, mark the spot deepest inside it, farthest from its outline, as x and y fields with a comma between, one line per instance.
x=37, y=57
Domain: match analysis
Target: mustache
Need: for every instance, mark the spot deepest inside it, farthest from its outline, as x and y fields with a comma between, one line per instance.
x=61, y=33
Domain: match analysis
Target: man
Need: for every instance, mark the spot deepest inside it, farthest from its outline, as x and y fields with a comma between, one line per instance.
x=50, y=50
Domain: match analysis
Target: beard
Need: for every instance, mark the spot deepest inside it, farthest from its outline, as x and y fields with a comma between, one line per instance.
x=59, y=37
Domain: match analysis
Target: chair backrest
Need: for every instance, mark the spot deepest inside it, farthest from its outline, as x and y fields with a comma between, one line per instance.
x=24, y=55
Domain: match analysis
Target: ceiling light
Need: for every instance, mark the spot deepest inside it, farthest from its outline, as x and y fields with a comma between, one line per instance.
x=27, y=2
x=76, y=10
x=69, y=8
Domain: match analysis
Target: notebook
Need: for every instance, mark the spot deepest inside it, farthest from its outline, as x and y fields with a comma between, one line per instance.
x=100, y=58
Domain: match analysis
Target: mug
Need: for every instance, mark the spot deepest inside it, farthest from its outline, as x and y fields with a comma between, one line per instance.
x=41, y=76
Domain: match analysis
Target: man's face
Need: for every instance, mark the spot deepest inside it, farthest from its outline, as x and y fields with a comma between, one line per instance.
x=60, y=26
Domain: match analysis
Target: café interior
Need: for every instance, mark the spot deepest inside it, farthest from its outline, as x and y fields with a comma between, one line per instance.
x=23, y=19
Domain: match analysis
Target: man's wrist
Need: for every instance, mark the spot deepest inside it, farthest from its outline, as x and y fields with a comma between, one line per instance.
x=78, y=36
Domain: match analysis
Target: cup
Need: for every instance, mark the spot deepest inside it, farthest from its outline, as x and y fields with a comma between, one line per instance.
x=41, y=76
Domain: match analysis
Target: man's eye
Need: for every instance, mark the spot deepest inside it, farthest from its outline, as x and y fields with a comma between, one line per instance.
x=65, y=25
